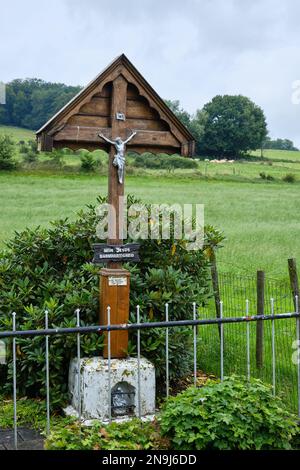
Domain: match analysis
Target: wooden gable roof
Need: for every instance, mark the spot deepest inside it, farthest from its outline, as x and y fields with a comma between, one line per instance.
x=79, y=122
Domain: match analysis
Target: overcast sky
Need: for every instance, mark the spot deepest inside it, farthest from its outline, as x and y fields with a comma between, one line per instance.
x=189, y=50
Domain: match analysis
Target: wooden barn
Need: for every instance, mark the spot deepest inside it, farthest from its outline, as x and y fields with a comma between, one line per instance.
x=118, y=101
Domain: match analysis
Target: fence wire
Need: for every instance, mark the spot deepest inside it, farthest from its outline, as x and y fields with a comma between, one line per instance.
x=234, y=289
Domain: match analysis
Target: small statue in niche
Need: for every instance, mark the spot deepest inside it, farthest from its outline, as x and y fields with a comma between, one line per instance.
x=119, y=160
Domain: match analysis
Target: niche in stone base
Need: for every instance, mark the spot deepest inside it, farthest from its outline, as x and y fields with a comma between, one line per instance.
x=123, y=399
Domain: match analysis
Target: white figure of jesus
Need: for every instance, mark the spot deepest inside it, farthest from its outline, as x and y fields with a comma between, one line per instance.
x=119, y=160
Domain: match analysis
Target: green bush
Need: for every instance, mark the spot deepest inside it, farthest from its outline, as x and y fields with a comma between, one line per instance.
x=88, y=162
x=30, y=157
x=133, y=435
x=289, y=178
x=27, y=147
x=163, y=161
x=51, y=269
x=7, y=152
x=233, y=414
x=31, y=413
x=266, y=177
x=33, y=145
x=23, y=147
x=56, y=158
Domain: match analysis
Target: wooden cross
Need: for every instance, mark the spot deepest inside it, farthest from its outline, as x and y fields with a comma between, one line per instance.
x=114, y=280
x=101, y=106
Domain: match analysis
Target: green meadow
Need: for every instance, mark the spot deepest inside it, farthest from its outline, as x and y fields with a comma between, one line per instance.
x=17, y=133
x=248, y=200
x=260, y=220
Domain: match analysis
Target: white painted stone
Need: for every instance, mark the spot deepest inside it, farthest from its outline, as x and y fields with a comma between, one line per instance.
x=95, y=385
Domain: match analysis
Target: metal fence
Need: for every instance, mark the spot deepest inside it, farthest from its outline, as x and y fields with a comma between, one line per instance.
x=278, y=297
x=235, y=288
x=206, y=344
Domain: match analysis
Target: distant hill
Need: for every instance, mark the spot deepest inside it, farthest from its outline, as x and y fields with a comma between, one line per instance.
x=31, y=102
x=17, y=133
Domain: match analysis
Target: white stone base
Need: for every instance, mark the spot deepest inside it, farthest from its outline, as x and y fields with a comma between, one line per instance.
x=70, y=411
x=95, y=387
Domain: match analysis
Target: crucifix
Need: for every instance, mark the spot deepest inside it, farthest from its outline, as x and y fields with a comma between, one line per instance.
x=114, y=279
x=101, y=116
x=119, y=160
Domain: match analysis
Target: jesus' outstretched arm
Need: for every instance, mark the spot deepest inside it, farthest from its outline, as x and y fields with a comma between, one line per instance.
x=106, y=139
x=130, y=137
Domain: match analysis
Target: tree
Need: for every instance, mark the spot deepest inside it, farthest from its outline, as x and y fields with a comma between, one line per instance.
x=179, y=112
x=6, y=153
x=194, y=123
x=31, y=102
x=197, y=128
x=279, y=144
x=233, y=126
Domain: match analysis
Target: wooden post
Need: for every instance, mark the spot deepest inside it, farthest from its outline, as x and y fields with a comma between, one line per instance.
x=118, y=129
x=215, y=284
x=114, y=280
x=294, y=279
x=260, y=323
x=114, y=292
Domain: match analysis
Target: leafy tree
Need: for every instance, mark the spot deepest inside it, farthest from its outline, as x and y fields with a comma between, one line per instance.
x=182, y=115
x=31, y=102
x=194, y=123
x=279, y=144
x=233, y=126
x=6, y=153
x=197, y=128
x=2, y=113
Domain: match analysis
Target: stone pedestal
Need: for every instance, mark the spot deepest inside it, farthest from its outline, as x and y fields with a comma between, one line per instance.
x=124, y=388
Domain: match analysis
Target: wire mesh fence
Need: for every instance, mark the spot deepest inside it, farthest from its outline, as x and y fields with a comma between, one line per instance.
x=234, y=289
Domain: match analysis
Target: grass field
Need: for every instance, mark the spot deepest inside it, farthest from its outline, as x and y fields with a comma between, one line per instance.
x=287, y=155
x=260, y=218
x=250, y=170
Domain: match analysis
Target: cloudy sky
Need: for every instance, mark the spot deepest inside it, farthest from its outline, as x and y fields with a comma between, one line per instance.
x=189, y=50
